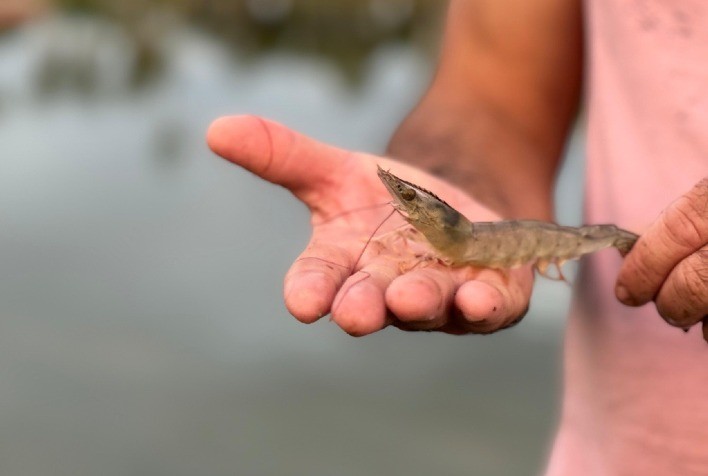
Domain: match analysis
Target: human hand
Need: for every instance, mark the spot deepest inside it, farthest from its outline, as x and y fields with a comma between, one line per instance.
x=669, y=263
x=379, y=292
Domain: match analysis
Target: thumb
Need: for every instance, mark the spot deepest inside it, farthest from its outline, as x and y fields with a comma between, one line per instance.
x=274, y=152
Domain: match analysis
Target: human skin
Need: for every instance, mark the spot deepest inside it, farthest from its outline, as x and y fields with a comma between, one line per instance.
x=669, y=263
x=493, y=123
x=15, y=12
x=472, y=125
x=332, y=182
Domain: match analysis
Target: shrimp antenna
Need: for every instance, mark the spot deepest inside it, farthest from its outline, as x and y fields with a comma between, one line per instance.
x=368, y=241
x=361, y=254
x=371, y=237
x=353, y=210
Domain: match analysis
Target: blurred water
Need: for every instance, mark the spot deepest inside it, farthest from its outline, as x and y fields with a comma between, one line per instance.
x=142, y=329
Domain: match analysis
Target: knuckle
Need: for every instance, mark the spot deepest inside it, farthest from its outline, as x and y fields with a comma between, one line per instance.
x=701, y=189
x=685, y=221
x=685, y=300
x=682, y=225
x=696, y=280
x=702, y=263
x=691, y=287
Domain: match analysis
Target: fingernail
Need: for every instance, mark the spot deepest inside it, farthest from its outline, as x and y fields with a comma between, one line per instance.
x=623, y=295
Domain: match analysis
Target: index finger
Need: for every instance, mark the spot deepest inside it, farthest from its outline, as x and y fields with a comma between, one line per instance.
x=681, y=230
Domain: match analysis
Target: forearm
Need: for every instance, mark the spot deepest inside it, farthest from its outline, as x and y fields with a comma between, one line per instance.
x=495, y=118
x=480, y=152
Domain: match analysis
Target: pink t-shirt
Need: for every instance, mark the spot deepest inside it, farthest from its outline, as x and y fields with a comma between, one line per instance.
x=636, y=389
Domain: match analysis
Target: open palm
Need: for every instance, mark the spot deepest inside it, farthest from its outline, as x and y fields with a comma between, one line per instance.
x=365, y=293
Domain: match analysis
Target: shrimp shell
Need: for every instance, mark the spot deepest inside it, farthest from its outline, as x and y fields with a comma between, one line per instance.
x=502, y=244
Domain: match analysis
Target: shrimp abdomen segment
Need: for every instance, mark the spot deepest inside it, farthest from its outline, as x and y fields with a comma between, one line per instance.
x=510, y=243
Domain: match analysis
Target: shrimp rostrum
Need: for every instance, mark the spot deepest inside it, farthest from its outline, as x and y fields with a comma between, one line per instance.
x=501, y=244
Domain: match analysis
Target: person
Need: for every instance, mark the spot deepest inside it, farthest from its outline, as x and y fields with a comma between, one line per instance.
x=487, y=136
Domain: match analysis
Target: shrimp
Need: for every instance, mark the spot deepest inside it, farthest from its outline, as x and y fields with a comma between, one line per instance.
x=502, y=244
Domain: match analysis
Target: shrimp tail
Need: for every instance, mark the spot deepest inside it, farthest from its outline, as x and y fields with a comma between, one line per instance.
x=623, y=240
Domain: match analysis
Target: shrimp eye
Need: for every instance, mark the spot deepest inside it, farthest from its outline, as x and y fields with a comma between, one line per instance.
x=408, y=194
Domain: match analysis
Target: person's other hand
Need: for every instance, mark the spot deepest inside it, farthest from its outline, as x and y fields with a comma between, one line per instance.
x=669, y=263
x=380, y=291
